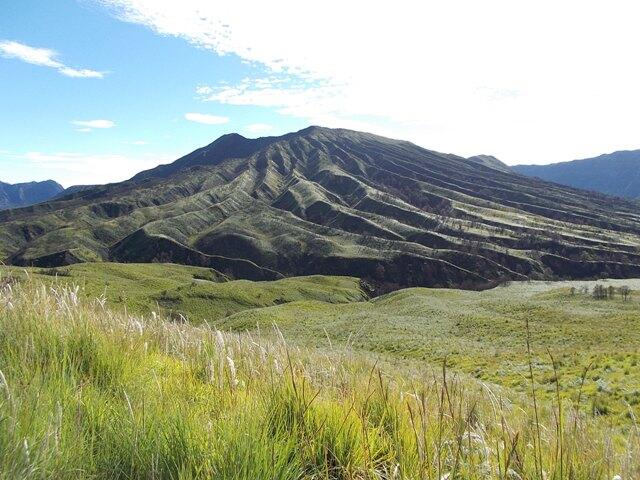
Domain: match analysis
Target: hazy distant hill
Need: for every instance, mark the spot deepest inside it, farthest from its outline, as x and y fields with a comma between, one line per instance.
x=325, y=201
x=614, y=174
x=23, y=194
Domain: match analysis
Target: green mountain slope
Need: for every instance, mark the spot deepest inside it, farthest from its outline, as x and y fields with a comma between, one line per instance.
x=339, y=202
x=615, y=174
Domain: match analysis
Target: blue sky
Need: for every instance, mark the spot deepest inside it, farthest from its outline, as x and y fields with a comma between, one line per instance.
x=149, y=85
x=93, y=91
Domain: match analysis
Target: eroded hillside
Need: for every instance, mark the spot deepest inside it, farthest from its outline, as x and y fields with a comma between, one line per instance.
x=323, y=201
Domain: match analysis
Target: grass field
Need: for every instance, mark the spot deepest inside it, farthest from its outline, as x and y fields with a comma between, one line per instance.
x=484, y=334
x=479, y=334
x=87, y=392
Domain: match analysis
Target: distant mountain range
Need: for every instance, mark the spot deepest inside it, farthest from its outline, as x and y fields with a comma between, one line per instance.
x=615, y=174
x=24, y=194
x=333, y=201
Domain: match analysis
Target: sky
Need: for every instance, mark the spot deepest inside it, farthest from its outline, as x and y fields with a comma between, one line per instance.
x=94, y=91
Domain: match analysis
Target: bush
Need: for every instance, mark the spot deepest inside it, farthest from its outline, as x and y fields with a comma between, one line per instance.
x=55, y=272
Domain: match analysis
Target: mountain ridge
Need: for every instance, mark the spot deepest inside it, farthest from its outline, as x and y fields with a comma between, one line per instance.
x=616, y=173
x=334, y=202
x=27, y=193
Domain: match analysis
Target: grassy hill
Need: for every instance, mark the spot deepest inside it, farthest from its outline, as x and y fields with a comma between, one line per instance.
x=200, y=294
x=334, y=202
x=86, y=392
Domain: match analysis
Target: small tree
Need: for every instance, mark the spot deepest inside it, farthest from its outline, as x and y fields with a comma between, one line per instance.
x=600, y=292
x=625, y=291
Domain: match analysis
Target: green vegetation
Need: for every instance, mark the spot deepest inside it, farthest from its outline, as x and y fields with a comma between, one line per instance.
x=479, y=334
x=86, y=392
x=484, y=334
x=200, y=294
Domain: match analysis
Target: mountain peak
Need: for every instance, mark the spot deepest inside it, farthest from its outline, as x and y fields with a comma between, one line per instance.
x=313, y=129
x=227, y=146
x=28, y=193
x=490, y=161
x=230, y=145
x=229, y=137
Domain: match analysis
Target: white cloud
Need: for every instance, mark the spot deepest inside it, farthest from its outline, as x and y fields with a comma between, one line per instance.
x=70, y=168
x=91, y=124
x=206, y=119
x=43, y=57
x=527, y=81
x=82, y=73
x=258, y=128
x=138, y=142
x=36, y=56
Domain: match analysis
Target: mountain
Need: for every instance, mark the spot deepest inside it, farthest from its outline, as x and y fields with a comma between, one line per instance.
x=615, y=173
x=490, y=161
x=23, y=194
x=332, y=201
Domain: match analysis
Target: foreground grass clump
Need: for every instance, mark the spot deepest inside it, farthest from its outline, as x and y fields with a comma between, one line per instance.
x=86, y=392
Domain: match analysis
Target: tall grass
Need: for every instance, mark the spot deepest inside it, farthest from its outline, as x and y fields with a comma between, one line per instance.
x=89, y=393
